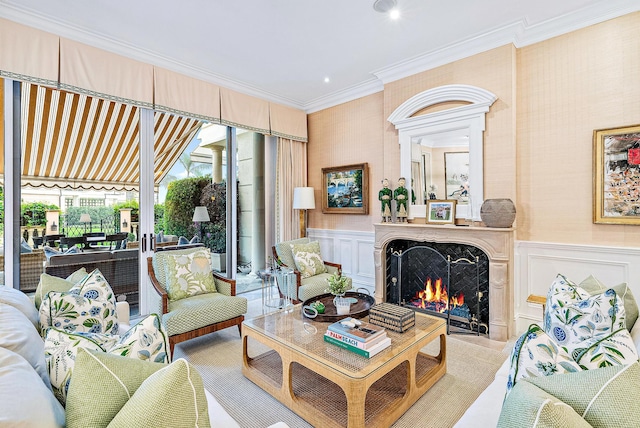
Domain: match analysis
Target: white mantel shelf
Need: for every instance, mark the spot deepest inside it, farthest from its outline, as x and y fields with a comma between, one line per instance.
x=497, y=244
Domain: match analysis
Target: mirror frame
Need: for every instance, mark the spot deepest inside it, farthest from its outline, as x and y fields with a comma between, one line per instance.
x=470, y=117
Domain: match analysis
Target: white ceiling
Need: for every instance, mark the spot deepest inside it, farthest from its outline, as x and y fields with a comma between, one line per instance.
x=282, y=50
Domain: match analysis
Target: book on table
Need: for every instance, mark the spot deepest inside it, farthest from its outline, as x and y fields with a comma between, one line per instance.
x=357, y=343
x=363, y=331
x=375, y=349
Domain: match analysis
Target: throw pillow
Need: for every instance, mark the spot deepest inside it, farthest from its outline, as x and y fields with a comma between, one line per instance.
x=16, y=298
x=529, y=406
x=17, y=334
x=594, y=286
x=26, y=400
x=160, y=237
x=183, y=241
x=189, y=274
x=173, y=393
x=25, y=247
x=88, y=306
x=308, y=259
x=53, y=283
x=605, y=397
x=614, y=350
x=574, y=316
x=536, y=354
x=160, y=262
x=194, y=240
x=561, y=291
x=103, y=383
x=146, y=341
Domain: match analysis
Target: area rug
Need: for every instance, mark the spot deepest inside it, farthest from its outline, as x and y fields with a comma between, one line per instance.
x=218, y=358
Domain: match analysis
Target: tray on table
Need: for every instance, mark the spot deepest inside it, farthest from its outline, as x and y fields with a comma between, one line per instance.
x=358, y=309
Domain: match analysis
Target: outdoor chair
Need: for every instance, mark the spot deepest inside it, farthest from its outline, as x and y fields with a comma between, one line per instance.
x=196, y=315
x=52, y=240
x=115, y=240
x=309, y=287
x=67, y=242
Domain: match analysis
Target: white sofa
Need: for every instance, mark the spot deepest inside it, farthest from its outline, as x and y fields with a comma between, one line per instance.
x=485, y=410
x=24, y=399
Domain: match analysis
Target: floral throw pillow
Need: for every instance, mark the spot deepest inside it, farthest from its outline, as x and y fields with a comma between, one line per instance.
x=147, y=341
x=616, y=349
x=536, y=354
x=571, y=322
x=189, y=274
x=89, y=306
x=308, y=259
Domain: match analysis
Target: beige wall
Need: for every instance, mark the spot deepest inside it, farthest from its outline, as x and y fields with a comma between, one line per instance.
x=538, y=141
x=568, y=87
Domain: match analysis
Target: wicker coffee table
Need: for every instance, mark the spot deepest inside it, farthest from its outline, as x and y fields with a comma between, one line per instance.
x=328, y=386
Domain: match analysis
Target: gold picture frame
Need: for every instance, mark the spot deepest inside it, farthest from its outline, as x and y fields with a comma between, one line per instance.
x=616, y=181
x=345, y=189
x=441, y=211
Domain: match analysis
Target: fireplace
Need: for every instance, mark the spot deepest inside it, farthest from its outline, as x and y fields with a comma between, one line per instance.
x=493, y=247
x=442, y=279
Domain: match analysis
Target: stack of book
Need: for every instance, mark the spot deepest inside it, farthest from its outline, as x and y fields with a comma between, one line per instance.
x=357, y=336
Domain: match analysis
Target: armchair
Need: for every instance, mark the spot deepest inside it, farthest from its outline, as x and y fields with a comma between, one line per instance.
x=197, y=315
x=306, y=288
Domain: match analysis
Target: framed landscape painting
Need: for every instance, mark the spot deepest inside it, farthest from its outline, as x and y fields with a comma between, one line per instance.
x=345, y=189
x=441, y=211
x=616, y=158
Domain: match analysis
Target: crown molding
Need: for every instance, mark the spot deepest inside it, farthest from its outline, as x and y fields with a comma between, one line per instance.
x=351, y=93
x=84, y=35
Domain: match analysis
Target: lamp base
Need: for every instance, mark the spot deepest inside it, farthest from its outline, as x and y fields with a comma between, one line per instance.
x=303, y=226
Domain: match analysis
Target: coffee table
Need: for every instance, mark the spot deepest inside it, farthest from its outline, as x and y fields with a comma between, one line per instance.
x=285, y=354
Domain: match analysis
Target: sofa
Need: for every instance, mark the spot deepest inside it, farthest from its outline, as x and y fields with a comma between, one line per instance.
x=120, y=268
x=597, y=395
x=26, y=398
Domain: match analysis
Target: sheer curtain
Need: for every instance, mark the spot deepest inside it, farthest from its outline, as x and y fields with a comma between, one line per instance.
x=291, y=172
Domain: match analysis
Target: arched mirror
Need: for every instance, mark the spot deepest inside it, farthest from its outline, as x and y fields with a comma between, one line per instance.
x=442, y=151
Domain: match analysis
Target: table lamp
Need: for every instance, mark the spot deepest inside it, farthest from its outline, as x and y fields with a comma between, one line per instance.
x=303, y=200
x=200, y=215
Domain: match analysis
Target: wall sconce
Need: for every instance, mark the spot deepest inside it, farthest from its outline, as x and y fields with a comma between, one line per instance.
x=54, y=227
x=125, y=224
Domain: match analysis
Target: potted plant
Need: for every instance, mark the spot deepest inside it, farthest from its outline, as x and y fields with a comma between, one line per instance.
x=338, y=284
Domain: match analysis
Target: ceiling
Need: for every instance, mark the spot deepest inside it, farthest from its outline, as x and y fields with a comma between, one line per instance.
x=282, y=50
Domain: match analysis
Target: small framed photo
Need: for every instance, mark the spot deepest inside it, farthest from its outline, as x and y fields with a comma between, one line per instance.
x=441, y=211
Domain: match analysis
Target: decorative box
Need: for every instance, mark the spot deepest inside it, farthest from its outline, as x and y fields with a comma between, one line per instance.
x=392, y=317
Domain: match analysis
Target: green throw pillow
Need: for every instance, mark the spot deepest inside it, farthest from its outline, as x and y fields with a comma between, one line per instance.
x=173, y=393
x=189, y=275
x=604, y=397
x=529, y=406
x=594, y=286
x=308, y=259
x=53, y=283
x=103, y=383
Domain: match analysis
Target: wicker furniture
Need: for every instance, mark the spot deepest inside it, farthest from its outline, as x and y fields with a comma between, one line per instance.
x=31, y=267
x=197, y=315
x=328, y=386
x=306, y=288
x=120, y=268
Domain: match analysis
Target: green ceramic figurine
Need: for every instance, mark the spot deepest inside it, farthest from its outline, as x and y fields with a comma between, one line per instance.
x=385, y=196
x=401, y=194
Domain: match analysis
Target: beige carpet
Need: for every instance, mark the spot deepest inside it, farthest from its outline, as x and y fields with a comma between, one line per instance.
x=217, y=356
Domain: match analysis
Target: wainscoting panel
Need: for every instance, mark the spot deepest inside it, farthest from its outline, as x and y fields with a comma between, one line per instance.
x=354, y=250
x=538, y=263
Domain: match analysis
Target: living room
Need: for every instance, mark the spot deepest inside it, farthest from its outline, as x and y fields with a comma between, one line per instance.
x=538, y=150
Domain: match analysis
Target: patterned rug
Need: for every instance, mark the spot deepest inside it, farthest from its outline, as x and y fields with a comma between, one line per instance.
x=218, y=358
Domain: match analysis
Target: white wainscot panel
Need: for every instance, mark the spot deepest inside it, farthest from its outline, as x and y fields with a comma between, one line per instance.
x=538, y=263
x=352, y=249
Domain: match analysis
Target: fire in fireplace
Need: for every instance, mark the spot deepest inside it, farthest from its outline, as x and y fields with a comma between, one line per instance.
x=435, y=298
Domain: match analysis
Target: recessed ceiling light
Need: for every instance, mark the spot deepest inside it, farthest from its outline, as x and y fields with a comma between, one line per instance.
x=394, y=14
x=384, y=6
x=326, y=80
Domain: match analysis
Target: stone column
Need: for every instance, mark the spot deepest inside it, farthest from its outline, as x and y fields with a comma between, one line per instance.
x=257, y=218
x=216, y=163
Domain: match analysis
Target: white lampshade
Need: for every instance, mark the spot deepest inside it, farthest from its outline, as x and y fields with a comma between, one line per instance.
x=303, y=198
x=85, y=218
x=200, y=215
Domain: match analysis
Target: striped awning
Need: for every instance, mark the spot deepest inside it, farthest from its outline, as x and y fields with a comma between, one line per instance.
x=76, y=141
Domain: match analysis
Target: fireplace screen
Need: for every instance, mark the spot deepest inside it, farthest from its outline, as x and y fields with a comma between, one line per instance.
x=445, y=280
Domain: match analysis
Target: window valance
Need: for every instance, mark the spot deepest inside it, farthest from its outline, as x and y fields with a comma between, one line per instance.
x=27, y=54
x=182, y=95
x=288, y=122
x=244, y=111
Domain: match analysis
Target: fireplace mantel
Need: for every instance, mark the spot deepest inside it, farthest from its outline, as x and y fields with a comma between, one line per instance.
x=497, y=243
